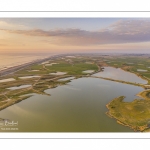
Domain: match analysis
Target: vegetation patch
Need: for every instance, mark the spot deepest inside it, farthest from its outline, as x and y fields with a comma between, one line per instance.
x=135, y=114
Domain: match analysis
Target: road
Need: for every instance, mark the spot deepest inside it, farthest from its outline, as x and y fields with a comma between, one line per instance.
x=20, y=67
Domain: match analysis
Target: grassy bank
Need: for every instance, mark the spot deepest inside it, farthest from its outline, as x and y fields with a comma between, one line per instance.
x=120, y=81
x=144, y=94
x=73, y=67
x=134, y=114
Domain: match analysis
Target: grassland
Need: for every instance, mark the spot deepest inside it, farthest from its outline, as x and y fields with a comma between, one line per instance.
x=135, y=114
x=72, y=69
x=144, y=94
x=72, y=66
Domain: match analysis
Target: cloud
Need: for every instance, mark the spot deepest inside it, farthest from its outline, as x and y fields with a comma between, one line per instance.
x=131, y=27
x=123, y=31
x=5, y=25
x=51, y=33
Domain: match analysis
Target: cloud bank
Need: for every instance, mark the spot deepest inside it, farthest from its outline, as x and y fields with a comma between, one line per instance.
x=123, y=31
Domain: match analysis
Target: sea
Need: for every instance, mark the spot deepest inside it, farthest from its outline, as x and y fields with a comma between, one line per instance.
x=8, y=60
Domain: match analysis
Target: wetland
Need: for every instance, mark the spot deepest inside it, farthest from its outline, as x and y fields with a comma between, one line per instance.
x=106, y=95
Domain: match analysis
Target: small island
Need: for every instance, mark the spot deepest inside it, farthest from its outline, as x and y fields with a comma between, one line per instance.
x=57, y=71
x=135, y=114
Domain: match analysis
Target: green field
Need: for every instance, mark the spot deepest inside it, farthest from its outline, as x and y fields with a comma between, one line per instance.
x=72, y=69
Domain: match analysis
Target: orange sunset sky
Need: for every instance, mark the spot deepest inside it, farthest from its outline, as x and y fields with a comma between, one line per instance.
x=129, y=35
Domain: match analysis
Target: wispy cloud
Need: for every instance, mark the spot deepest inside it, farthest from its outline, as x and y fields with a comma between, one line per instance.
x=10, y=26
x=123, y=31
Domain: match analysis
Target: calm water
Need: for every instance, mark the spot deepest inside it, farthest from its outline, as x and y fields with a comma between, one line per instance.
x=79, y=106
x=58, y=73
x=119, y=74
x=88, y=71
x=7, y=80
x=18, y=87
x=28, y=77
x=141, y=70
x=9, y=60
x=65, y=79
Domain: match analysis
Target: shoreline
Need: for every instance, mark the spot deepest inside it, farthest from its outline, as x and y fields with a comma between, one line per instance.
x=142, y=77
x=143, y=128
x=16, y=68
x=12, y=102
x=117, y=120
x=142, y=94
x=120, y=81
x=13, y=69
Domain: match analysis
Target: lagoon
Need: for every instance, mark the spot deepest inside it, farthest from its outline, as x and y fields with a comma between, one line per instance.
x=141, y=70
x=7, y=80
x=19, y=87
x=65, y=79
x=58, y=73
x=27, y=77
x=79, y=106
x=88, y=71
x=119, y=74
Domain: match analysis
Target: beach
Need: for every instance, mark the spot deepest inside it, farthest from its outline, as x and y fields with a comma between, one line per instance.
x=16, y=67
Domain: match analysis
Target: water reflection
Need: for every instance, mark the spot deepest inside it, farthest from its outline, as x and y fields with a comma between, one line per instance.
x=77, y=107
x=119, y=74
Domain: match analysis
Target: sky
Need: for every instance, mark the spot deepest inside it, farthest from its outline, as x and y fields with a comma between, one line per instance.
x=61, y=35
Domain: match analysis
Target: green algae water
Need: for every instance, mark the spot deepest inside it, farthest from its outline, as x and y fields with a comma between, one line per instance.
x=79, y=106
